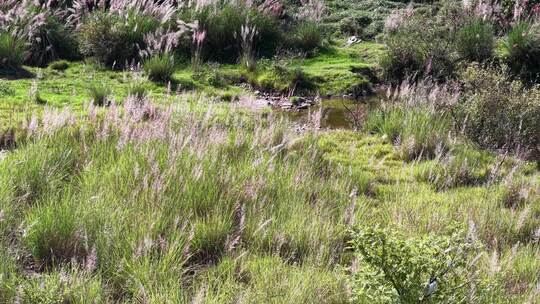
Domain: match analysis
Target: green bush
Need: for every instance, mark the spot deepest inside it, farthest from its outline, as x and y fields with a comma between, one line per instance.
x=223, y=27
x=114, y=40
x=418, y=48
x=500, y=113
x=522, y=50
x=12, y=51
x=475, y=41
x=308, y=36
x=53, y=40
x=60, y=65
x=99, y=93
x=394, y=268
x=159, y=67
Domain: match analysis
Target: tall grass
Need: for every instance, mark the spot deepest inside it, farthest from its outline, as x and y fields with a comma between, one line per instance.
x=418, y=132
x=159, y=67
x=475, y=41
x=12, y=50
x=521, y=50
x=131, y=200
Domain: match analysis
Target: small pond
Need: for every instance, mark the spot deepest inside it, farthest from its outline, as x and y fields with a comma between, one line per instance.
x=335, y=111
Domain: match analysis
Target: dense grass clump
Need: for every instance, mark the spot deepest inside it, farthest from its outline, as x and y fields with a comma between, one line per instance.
x=522, y=50
x=114, y=40
x=12, y=50
x=475, y=41
x=160, y=67
x=53, y=40
x=417, y=131
x=308, y=36
x=60, y=65
x=99, y=94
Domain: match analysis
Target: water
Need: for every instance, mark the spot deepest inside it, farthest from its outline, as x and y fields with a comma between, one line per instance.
x=334, y=112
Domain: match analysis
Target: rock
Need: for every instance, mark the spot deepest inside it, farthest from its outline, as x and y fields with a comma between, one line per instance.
x=303, y=106
x=352, y=40
x=286, y=105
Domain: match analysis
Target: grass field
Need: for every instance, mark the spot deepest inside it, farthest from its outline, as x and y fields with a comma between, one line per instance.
x=183, y=204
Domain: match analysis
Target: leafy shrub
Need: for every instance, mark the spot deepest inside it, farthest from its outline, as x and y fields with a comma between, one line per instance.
x=12, y=51
x=397, y=269
x=60, y=65
x=308, y=36
x=522, y=50
x=159, y=67
x=419, y=47
x=475, y=41
x=53, y=40
x=500, y=113
x=113, y=40
x=223, y=27
x=99, y=93
x=419, y=132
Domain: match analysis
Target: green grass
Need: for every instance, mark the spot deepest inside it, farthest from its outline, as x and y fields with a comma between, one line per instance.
x=212, y=205
x=331, y=72
x=334, y=71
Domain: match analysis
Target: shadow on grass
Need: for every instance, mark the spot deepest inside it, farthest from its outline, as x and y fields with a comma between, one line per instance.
x=10, y=73
x=178, y=85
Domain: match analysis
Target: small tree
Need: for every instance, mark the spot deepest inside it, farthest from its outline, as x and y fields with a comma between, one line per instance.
x=396, y=269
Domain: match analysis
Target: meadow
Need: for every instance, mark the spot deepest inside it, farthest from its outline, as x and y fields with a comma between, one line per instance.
x=137, y=164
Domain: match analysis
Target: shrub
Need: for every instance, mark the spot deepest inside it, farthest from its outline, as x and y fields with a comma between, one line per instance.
x=223, y=28
x=12, y=51
x=308, y=36
x=396, y=269
x=99, y=93
x=60, y=65
x=500, y=113
x=475, y=41
x=522, y=50
x=418, y=48
x=113, y=40
x=53, y=40
x=159, y=67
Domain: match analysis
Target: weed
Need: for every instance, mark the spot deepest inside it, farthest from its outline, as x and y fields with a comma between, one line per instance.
x=99, y=94
x=160, y=67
